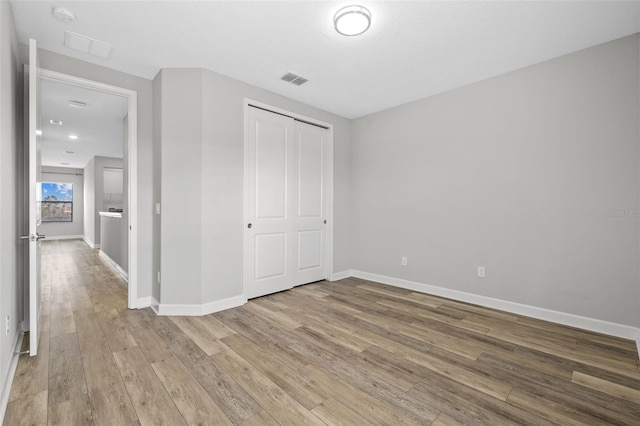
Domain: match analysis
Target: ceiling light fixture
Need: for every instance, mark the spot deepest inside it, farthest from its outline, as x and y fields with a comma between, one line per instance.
x=352, y=20
x=65, y=15
x=74, y=137
x=77, y=104
x=56, y=122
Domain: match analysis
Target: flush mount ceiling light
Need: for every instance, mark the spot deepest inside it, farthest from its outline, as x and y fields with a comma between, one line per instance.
x=73, y=137
x=352, y=20
x=65, y=15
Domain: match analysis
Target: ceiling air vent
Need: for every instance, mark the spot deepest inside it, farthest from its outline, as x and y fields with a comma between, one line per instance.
x=293, y=79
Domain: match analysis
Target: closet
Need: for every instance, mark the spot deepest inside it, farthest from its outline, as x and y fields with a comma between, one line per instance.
x=286, y=190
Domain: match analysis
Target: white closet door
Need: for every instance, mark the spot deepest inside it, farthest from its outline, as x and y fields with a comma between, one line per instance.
x=270, y=178
x=310, y=143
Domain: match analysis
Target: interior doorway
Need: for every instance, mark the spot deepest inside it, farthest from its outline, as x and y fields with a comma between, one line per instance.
x=128, y=203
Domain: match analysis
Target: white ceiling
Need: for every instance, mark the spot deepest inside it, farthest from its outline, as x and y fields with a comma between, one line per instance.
x=98, y=125
x=413, y=49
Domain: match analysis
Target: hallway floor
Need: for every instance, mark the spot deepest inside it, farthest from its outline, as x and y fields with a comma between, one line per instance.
x=348, y=352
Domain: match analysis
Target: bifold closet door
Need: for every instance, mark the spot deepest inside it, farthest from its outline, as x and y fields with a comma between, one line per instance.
x=270, y=229
x=285, y=236
x=310, y=143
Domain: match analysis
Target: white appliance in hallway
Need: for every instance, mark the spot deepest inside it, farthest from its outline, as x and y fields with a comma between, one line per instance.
x=286, y=194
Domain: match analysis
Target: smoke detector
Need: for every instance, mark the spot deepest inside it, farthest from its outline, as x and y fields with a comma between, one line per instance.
x=65, y=15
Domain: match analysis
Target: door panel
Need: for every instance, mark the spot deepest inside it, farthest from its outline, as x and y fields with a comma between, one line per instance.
x=34, y=199
x=271, y=143
x=269, y=169
x=310, y=247
x=309, y=219
x=271, y=255
x=309, y=146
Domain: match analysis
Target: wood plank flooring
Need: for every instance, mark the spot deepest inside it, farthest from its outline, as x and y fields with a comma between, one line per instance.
x=350, y=352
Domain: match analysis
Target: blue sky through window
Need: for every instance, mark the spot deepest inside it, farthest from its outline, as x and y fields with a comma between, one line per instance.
x=62, y=191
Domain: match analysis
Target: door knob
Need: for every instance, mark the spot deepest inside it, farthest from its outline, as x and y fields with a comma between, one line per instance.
x=249, y=226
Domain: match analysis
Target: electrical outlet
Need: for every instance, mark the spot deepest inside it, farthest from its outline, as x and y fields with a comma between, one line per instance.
x=403, y=261
x=6, y=333
x=157, y=208
x=481, y=273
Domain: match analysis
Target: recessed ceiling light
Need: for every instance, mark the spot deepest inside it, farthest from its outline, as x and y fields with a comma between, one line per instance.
x=77, y=104
x=74, y=137
x=56, y=122
x=39, y=132
x=352, y=20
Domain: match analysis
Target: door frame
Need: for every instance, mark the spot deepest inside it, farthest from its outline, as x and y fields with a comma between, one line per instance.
x=328, y=188
x=132, y=164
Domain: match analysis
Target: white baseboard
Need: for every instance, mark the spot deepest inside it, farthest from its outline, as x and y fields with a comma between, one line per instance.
x=638, y=346
x=143, y=302
x=198, y=310
x=65, y=237
x=114, y=266
x=591, y=324
x=6, y=386
x=90, y=243
x=337, y=276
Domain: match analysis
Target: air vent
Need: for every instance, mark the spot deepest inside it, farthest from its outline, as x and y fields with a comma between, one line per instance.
x=87, y=45
x=293, y=79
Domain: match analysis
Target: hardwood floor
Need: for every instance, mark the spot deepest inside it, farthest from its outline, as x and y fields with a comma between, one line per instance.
x=348, y=352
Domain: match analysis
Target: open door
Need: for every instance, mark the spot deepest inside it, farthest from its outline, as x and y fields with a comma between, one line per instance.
x=35, y=197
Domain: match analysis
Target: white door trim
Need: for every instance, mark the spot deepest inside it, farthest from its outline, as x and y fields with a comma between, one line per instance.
x=328, y=188
x=132, y=164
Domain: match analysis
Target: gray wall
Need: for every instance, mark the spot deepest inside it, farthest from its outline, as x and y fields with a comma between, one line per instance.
x=89, y=175
x=75, y=177
x=157, y=187
x=143, y=87
x=521, y=174
x=202, y=160
x=94, y=193
x=10, y=175
x=124, y=229
x=98, y=189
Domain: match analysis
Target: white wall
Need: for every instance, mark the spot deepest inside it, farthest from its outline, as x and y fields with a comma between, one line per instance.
x=520, y=174
x=10, y=173
x=202, y=160
x=55, y=62
x=76, y=227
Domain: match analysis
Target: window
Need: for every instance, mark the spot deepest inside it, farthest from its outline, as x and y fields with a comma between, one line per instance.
x=57, y=202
